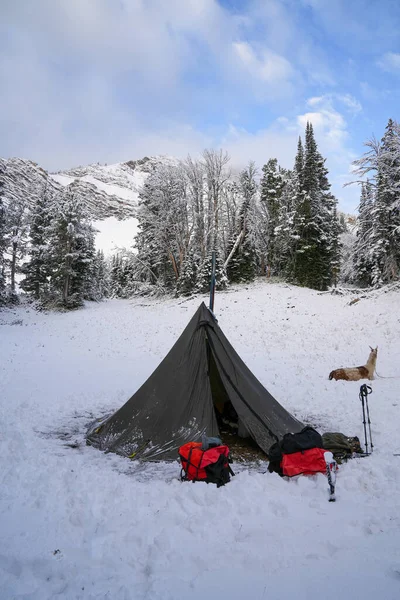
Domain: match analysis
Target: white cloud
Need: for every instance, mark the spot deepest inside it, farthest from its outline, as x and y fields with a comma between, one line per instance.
x=82, y=81
x=350, y=102
x=328, y=123
x=390, y=62
x=265, y=65
x=110, y=81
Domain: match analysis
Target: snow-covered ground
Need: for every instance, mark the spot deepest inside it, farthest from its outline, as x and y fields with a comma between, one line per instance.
x=78, y=524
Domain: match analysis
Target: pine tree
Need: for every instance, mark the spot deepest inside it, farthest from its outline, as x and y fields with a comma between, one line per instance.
x=128, y=284
x=299, y=164
x=116, y=276
x=285, y=235
x=100, y=287
x=84, y=280
x=37, y=270
x=204, y=275
x=71, y=249
x=306, y=266
x=362, y=248
x=271, y=188
x=242, y=265
x=329, y=229
x=386, y=237
x=16, y=238
x=188, y=275
x=383, y=160
x=315, y=231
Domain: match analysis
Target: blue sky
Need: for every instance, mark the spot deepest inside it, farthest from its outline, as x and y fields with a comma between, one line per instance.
x=111, y=80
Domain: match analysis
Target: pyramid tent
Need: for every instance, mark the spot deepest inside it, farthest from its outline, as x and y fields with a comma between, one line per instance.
x=180, y=401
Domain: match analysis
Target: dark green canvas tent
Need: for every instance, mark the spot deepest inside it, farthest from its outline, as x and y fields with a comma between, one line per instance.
x=182, y=400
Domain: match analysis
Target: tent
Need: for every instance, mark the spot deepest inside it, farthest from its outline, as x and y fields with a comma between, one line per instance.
x=197, y=382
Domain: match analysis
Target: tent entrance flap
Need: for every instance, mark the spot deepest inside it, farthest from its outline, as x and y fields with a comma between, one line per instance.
x=227, y=418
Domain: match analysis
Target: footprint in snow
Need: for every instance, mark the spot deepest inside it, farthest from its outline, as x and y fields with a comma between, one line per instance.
x=279, y=510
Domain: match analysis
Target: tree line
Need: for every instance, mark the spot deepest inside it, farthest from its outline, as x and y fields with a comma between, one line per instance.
x=283, y=223
x=377, y=247
x=280, y=222
x=48, y=242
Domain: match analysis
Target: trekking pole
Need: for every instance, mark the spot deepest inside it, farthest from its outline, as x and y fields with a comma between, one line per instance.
x=364, y=422
x=369, y=391
x=364, y=401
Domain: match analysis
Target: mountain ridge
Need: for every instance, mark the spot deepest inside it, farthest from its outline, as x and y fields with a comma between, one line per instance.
x=106, y=190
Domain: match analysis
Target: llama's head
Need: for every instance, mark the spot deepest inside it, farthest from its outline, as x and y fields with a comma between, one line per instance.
x=374, y=352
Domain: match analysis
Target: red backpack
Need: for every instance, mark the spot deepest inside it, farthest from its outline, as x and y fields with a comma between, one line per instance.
x=211, y=466
x=307, y=462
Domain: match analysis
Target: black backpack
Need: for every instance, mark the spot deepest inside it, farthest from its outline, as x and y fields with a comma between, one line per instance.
x=306, y=439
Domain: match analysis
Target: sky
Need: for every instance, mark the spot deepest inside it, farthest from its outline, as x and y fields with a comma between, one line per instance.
x=84, y=81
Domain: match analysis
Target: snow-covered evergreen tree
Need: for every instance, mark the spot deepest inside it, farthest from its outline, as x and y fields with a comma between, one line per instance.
x=71, y=249
x=382, y=160
x=386, y=236
x=100, y=278
x=16, y=238
x=38, y=268
x=241, y=261
x=315, y=223
x=284, y=237
x=116, y=276
x=188, y=275
x=203, y=280
x=362, y=257
x=271, y=188
x=84, y=281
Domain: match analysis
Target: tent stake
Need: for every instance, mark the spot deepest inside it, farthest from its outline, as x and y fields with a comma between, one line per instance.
x=212, y=285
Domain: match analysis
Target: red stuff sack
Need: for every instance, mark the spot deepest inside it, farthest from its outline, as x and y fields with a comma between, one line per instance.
x=211, y=466
x=307, y=462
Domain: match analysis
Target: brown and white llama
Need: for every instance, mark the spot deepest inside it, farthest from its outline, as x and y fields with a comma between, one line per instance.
x=356, y=373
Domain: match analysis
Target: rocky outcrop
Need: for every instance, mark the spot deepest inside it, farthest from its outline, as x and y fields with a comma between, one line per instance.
x=106, y=190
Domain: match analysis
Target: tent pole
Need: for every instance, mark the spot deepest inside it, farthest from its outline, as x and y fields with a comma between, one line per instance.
x=212, y=285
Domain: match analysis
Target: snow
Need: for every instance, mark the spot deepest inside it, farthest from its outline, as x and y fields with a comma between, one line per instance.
x=62, y=179
x=113, y=234
x=78, y=524
x=123, y=183
x=108, y=188
x=116, y=190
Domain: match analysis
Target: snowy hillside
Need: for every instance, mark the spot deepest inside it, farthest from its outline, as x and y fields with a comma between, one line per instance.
x=78, y=524
x=117, y=185
x=110, y=192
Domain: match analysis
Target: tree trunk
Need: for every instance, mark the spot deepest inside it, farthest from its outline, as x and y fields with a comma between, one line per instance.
x=235, y=247
x=173, y=262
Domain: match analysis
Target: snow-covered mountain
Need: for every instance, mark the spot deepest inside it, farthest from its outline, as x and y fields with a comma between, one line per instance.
x=110, y=192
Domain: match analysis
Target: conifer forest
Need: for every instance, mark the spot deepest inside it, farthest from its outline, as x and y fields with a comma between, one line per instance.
x=267, y=221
